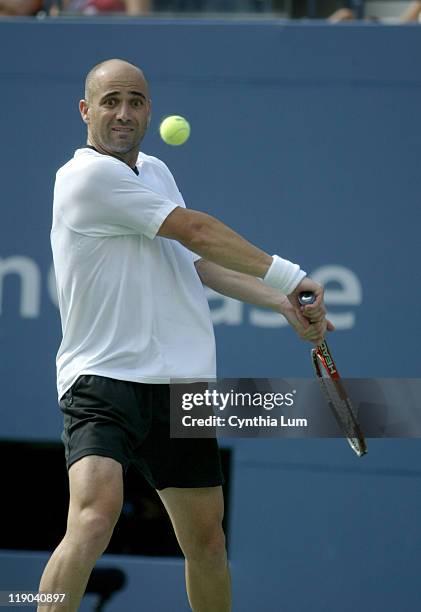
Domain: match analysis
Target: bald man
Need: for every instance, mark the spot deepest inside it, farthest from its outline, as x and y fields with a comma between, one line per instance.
x=130, y=261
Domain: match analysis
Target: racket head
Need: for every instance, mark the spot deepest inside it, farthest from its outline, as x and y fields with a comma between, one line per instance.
x=337, y=398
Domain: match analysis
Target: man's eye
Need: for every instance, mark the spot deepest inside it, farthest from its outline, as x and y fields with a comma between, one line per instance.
x=138, y=102
x=110, y=102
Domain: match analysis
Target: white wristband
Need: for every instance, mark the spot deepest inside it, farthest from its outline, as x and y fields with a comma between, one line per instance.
x=283, y=275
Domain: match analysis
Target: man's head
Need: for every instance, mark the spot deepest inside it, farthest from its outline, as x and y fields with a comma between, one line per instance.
x=116, y=108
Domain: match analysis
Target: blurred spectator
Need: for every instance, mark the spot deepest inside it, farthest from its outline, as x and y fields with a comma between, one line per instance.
x=20, y=8
x=95, y=7
x=411, y=14
x=342, y=14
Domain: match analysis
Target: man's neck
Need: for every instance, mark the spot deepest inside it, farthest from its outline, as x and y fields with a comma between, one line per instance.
x=133, y=167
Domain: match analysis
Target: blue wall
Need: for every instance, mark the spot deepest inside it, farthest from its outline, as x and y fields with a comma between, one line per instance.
x=306, y=138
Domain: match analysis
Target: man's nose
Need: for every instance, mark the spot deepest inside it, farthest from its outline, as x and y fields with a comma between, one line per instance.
x=123, y=112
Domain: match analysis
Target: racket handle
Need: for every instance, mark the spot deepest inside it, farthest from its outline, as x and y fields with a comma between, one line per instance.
x=306, y=297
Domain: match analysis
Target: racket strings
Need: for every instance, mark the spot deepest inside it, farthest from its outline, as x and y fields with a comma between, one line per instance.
x=342, y=409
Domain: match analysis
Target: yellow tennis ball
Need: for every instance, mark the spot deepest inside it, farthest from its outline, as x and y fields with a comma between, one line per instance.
x=174, y=130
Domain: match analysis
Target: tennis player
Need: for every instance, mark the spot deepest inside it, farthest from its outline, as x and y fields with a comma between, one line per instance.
x=130, y=261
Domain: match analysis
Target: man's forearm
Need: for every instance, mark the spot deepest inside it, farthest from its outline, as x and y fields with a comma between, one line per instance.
x=240, y=286
x=253, y=291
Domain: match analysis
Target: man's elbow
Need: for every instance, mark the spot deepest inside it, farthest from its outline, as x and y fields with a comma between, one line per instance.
x=193, y=229
x=201, y=236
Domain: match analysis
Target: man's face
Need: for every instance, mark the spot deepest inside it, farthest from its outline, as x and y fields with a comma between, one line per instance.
x=117, y=110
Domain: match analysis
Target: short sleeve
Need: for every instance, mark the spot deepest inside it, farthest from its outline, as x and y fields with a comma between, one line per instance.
x=104, y=197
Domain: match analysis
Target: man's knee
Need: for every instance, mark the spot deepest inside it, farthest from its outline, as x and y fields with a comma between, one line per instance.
x=92, y=529
x=207, y=547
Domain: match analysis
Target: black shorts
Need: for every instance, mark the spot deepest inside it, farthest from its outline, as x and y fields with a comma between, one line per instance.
x=130, y=422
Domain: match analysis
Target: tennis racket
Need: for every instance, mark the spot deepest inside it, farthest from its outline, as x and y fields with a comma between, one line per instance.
x=334, y=389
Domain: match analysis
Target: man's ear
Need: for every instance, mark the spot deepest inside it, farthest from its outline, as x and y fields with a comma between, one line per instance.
x=84, y=111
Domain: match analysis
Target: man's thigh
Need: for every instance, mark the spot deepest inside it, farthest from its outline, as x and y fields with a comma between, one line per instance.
x=96, y=483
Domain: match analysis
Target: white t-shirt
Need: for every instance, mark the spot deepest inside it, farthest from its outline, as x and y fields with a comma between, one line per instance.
x=131, y=303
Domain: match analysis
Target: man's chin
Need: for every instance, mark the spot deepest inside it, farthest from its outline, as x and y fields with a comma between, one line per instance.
x=117, y=147
x=122, y=148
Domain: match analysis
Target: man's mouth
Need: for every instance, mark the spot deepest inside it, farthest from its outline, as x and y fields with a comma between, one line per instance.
x=122, y=129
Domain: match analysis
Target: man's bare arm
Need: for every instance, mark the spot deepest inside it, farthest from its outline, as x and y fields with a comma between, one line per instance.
x=239, y=286
x=219, y=244
x=252, y=291
x=215, y=241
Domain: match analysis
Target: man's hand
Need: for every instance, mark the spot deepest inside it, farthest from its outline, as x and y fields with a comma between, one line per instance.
x=309, y=321
x=313, y=332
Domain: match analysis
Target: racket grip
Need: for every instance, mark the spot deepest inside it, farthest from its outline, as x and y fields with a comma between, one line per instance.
x=306, y=297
